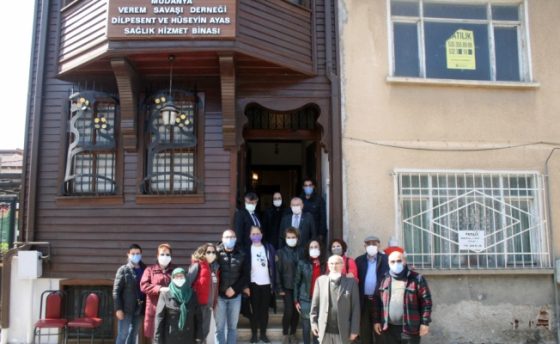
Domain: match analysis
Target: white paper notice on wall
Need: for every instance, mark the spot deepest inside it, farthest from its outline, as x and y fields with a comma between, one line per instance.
x=472, y=240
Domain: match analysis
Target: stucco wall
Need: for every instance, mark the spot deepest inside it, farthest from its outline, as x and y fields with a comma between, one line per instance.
x=389, y=126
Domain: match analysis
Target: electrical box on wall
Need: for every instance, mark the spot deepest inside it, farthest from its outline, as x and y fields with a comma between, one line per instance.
x=30, y=265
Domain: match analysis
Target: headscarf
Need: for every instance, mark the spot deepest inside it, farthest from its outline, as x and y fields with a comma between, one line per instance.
x=181, y=295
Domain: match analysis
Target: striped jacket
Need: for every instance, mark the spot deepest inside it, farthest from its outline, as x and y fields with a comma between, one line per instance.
x=417, y=303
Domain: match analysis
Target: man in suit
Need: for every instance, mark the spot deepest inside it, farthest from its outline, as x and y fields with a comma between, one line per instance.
x=298, y=219
x=245, y=219
x=372, y=267
x=335, y=306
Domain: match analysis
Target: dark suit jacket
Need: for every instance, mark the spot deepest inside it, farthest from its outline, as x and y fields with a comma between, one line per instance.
x=242, y=224
x=307, y=230
x=348, y=307
x=381, y=269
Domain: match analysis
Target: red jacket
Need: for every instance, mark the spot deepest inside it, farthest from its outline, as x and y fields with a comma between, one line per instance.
x=202, y=275
x=152, y=280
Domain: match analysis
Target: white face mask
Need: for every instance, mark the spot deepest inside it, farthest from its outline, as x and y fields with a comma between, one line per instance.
x=291, y=242
x=371, y=250
x=179, y=282
x=314, y=252
x=250, y=207
x=296, y=210
x=210, y=258
x=277, y=203
x=164, y=260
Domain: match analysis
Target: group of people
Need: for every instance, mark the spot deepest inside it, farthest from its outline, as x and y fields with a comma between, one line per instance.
x=374, y=298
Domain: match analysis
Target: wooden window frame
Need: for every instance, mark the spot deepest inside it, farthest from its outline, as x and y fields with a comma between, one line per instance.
x=103, y=199
x=194, y=198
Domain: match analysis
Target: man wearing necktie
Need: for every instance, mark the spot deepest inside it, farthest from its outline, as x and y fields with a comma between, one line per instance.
x=246, y=218
x=304, y=222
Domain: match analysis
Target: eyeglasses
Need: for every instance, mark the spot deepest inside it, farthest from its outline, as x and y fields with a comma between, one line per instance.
x=210, y=252
x=307, y=184
x=165, y=254
x=395, y=261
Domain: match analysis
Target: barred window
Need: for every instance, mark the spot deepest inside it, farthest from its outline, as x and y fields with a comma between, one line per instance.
x=471, y=220
x=91, y=156
x=171, y=155
x=462, y=40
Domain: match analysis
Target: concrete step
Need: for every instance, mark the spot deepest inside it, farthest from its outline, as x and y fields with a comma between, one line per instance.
x=274, y=334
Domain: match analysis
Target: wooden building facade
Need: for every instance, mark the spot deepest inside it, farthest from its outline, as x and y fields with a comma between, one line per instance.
x=254, y=90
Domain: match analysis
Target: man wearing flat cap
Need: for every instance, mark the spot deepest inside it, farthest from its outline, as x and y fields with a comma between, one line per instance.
x=404, y=302
x=372, y=266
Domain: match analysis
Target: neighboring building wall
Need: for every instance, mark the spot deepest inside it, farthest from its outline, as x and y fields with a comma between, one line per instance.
x=11, y=161
x=391, y=124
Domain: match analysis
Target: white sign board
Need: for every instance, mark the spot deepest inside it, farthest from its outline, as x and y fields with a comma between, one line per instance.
x=472, y=240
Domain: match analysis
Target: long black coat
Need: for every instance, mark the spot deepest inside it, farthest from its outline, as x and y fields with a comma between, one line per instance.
x=167, y=321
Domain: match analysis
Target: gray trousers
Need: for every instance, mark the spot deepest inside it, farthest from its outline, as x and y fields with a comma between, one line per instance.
x=206, y=318
x=331, y=338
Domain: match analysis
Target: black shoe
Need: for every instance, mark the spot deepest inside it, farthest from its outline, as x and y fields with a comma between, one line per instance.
x=265, y=339
x=254, y=339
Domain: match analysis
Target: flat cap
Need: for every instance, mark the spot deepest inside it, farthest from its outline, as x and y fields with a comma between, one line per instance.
x=371, y=238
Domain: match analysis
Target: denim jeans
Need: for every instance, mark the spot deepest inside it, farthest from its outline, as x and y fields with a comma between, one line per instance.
x=128, y=329
x=227, y=315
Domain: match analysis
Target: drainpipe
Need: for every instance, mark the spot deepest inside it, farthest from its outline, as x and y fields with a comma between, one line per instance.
x=556, y=260
x=40, y=23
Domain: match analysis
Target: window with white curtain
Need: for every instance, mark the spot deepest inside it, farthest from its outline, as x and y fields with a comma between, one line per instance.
x=171, y=153
x=473, y=220
x=91, y=155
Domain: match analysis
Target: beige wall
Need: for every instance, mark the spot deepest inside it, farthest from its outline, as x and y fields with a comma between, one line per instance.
x=377, y=112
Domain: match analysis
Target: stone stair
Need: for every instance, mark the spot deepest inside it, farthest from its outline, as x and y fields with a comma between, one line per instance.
x=274, y=331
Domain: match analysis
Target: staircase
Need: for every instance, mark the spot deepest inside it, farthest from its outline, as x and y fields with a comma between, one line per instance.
x=274, y=331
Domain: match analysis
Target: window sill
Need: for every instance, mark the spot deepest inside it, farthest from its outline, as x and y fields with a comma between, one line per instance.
x=170, y=199
x=489, y=272
x=463, y=83
x=89, y=200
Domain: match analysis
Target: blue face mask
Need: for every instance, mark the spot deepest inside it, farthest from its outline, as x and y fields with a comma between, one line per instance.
x=135, y=258
x=229, y=243
x=308, y=190
x=396, y=268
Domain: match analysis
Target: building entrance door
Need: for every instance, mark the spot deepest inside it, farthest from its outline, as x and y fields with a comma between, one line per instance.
x=280, y=150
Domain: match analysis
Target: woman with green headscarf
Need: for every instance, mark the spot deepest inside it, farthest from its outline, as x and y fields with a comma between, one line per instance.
x=178, y=316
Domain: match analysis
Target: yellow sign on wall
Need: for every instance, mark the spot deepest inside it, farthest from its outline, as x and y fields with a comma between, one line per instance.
x=460, y=50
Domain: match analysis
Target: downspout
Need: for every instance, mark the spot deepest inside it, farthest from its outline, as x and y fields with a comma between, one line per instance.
x=29, y=155
x=555, y=259
x=332, y=65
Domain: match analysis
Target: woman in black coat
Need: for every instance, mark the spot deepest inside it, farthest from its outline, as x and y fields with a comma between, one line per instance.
x=178, y=315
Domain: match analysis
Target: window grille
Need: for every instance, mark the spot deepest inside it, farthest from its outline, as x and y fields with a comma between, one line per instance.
x=259, y=117
x=91, y=156
x=171, y=162
x=473, y=220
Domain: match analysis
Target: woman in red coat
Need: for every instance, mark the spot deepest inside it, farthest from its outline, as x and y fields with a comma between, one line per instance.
x=156, y=279
x=204, y=276
x=349, y=269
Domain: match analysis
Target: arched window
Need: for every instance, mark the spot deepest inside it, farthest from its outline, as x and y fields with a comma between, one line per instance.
x=171, y=153
x=91, y=155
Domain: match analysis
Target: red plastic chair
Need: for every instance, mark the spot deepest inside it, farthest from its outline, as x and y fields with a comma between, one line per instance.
x=90, y=319
x=53, y=314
